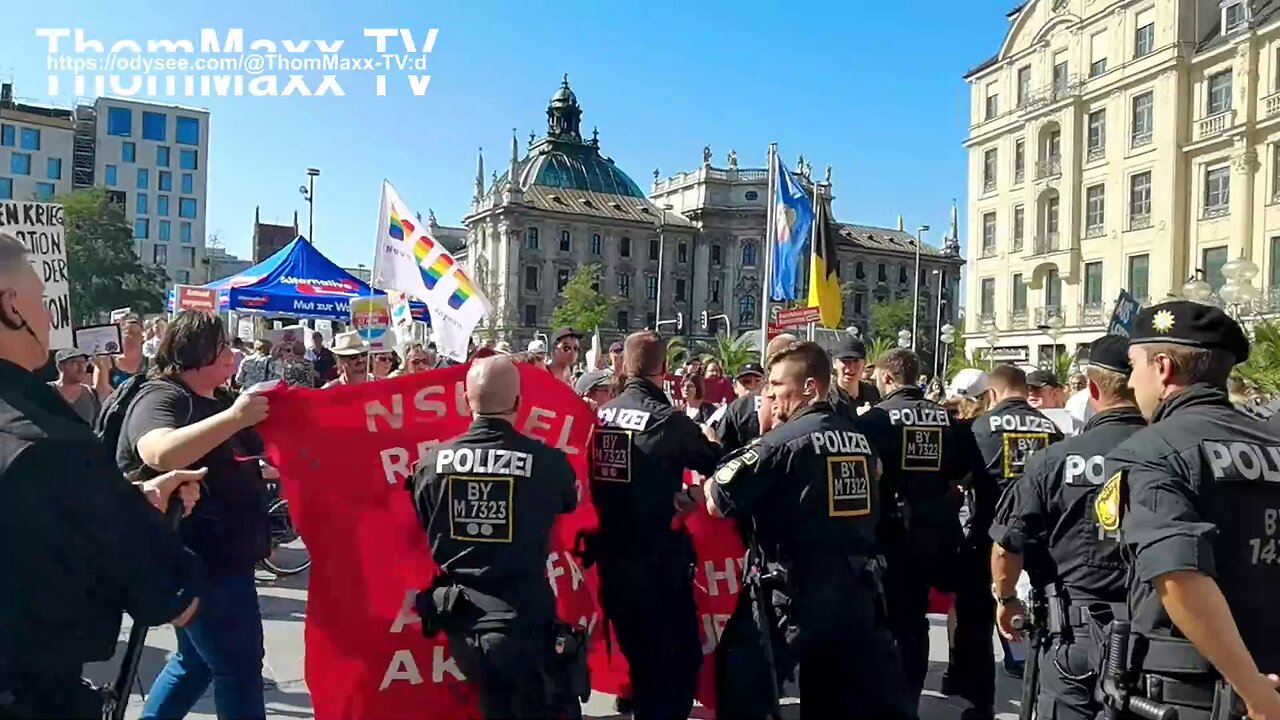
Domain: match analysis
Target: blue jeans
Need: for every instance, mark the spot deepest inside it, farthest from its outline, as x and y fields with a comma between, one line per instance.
x=222, y=645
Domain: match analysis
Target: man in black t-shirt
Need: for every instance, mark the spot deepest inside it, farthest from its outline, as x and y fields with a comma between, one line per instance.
x=178, y=421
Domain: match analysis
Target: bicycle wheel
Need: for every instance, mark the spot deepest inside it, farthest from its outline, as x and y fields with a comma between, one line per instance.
x=289, y=555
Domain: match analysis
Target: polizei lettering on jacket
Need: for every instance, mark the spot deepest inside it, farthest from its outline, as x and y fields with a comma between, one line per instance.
x=483, y=461
x=1081, y=470
x=1022, y=423
x=625, y=418
x=1243, y=461
x=934, y=416
x=839, y=442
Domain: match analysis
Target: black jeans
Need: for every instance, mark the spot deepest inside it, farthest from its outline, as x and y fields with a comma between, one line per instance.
x=973, y=660
x=649, y=599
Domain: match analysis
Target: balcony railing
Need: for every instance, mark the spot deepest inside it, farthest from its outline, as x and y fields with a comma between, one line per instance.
x=1138, y=139
x=988, y=251
x=1095, y=231
x=989, y=185
x=1271, y=105
x=1019, y=174
x=1045, y=312
x=1092, y=314
x=1139, y=222
x=1049, y=168
x=1215, y=124
x=1097, y=152
x=1017, y=244
x=1216, y=211
x=1046, y=244
x=1018, y=319
x=1069, y=87
x=986, y=319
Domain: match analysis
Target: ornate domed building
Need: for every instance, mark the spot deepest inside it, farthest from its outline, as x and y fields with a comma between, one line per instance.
x=564, y=205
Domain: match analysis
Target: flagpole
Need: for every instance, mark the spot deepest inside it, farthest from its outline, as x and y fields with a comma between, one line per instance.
x=813, y=248
x=769, y=232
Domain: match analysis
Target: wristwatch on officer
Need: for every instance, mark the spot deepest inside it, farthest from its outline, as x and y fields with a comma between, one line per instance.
x=1005, y=600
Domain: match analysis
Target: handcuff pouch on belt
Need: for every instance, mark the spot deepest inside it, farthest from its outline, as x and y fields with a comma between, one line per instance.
x=442, y=607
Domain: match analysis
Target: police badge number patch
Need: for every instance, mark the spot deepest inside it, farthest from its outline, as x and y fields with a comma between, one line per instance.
x=734, y=465
x=848, y=486
x=1018, y=448
x=1106, y=506
x=481, y=508
x=611, y=455
x=921, y=448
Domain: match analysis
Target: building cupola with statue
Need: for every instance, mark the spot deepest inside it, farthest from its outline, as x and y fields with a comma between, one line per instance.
x=561, y=205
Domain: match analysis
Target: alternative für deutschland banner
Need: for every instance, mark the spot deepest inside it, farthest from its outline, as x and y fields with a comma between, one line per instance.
x=824, y=284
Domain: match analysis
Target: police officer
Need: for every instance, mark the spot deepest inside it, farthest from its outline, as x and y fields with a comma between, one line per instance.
x=740, y=423
x=1196, y=498
x=811, y=487
x=639, y=452
x=924, y=462
x=851, y=393
x=1006, y=435
x=81, y=544
x=488, y=500
x=1048, y=514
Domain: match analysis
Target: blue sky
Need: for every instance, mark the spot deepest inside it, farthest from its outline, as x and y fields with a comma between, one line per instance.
x=872, y=88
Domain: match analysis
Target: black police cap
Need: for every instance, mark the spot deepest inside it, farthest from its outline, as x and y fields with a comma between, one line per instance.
x=850, y=348
x=1110, y=352
x=1043, y=378
x=1192, y=324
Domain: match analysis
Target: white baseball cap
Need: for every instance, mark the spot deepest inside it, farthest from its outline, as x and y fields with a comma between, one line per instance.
x=968, y=383
x=537, y=346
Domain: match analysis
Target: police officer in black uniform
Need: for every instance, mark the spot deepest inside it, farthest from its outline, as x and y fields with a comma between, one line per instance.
x=851, y=393
x=1196, y=498
x=488, y=500
x=639, y=452
x=924, y=462
x=1048, y=514
x=1006, y=436
x=740, y=423
x=81, y=544
x=811, y=487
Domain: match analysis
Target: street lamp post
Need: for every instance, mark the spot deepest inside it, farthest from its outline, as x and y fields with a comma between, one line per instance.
x=915, y=302
x=309, y=194
x=904, y=339
x=946, y=336
x=1239, y=293
x=1055, y=332
x=1196, y=288
x=993, y=337
x=662, y=250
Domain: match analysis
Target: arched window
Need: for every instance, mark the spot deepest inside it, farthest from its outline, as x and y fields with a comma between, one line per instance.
x=749, y=253
x=746, y=310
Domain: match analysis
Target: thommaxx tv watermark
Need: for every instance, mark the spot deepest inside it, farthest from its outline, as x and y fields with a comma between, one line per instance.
x=220, y=64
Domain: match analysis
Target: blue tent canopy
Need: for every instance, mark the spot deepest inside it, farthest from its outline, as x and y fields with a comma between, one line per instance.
x=296, y=281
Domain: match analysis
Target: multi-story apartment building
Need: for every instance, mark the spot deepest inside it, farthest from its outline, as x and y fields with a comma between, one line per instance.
x=155, y=159
x=1123, y=144
x=35, y=148
x=152, y=159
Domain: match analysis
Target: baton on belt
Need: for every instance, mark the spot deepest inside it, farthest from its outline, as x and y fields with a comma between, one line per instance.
x=1118, y=699
x=1031, y=668
x=116, y=696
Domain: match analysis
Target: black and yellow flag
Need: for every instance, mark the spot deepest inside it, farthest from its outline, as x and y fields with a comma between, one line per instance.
x=824, y=284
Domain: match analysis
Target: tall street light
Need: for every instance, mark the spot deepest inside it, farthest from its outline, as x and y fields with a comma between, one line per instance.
x=662, y=250
x=309, y=194
x=915, y=302
x=946, y=336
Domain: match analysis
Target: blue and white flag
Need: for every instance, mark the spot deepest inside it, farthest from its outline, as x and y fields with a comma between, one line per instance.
x=792, y=223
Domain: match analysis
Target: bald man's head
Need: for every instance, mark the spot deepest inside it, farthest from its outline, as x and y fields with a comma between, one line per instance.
x=493, y=386
x=780, y=343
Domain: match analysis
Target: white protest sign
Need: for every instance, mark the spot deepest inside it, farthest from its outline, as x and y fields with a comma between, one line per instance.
x=245, y=329
x=120, y=313
x=99, y=339
x=39, y=227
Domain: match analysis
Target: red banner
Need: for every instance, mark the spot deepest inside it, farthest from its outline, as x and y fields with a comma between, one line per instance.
x=193, y=297
x=343, y=455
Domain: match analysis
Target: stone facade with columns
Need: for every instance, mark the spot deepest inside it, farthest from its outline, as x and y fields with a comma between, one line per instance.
x=1125, y=145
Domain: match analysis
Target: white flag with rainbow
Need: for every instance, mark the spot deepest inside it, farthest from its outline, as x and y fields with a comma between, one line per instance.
x=410, y=261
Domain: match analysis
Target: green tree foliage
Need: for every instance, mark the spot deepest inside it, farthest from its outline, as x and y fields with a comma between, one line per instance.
x=878, y=346
x=582, y=307
x=103, y=271
x=731, y=353
x=889, y=318
x=1262, y=369
x=677, y=352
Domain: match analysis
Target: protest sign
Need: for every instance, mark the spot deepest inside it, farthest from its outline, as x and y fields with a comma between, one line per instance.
x=1122, y=317
x=371, y=319
x=120, y=313
x=39, y=226
x=344, y=479
x=287, y=334
x=99, y=339
x=194, y=297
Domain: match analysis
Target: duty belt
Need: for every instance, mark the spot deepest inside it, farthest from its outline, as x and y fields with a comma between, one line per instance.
x=1065, y=615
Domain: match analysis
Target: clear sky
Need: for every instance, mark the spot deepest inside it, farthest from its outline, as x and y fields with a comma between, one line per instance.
x=872, y=88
